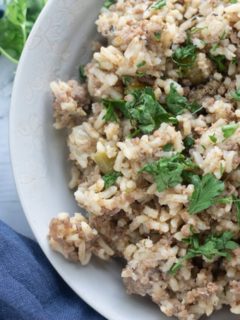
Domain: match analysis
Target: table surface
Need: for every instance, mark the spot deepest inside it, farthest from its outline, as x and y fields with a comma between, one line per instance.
x=10, y=208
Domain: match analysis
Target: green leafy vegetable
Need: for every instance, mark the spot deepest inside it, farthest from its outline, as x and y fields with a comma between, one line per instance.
x=214, y=246
x=159, y=4
x=205, y=193
x=188, y=142
x=177, y=104
x=141, y=64
x=82, y=76
x=229, y=130
x=168, y=147
x=167, y=171
x=213, y=138
x=185, y=56
x=233, y=1
x=127, y=80
x=108, y=3
x=220, y=62
x=111, y=107
x=191, y=178
x=16, y=25
x=110, y=178
x=157, y=36
x=236, y=95
x=144, y=111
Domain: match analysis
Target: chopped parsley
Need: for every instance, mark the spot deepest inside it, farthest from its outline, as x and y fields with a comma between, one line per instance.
x=108, y=3
x=220, y=62
x=127, y=80
x=168, y=147
x=205, y=193
x=141, y=64
x=167, y=171
x=157, y=36
x=236, y=95
x=212, y=247
x=177, y=104
x=82, y=76
x=144, y=111
x=213, y=138
x=229, y=130
x=185, y=56
x=159, y=4
x=110, y=178
x=188, y=142
x=111, y=107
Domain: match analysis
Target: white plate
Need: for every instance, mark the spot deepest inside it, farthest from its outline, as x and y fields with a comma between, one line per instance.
x=59, y=42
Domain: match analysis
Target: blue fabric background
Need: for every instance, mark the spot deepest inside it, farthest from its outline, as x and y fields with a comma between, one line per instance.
x=30, y=289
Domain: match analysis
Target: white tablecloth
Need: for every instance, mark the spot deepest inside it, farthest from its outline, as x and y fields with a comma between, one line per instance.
x=10, y=207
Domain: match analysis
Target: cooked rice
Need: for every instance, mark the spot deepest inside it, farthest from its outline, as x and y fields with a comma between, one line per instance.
x=132, y=219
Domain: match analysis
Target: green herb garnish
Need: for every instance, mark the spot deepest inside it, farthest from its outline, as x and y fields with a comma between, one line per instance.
x=16, y=25
x=236, y=95
x=144, y=111
x=229, y=130
x=157, y=36
x=141, y=64
x=167, y=171
x=108, y=3
x=127, y=80
x=205, y=193
x=214, y=246
x=220, y=62
x=213, y=138
x=168, y=147
x=110, y=178
x=111, y=107
x=177, y=104
x=159, y=4
x=185, y=57
x=188, y=142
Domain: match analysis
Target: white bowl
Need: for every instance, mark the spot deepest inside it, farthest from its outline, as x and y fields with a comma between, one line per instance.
x=59, y=42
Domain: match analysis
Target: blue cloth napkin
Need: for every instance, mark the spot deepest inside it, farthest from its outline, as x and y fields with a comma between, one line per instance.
x=30, y=289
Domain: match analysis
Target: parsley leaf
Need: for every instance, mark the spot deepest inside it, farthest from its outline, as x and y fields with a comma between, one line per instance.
x=157, y=36
x=213, y=138
x=16, y=25
x=111, y=106
x=82, y=75
x=185, y=56
x=144, y=111
x=177, y=104
x=229, y=130
x=168, y=147
x=167, y=171
x=110, y=179
x=159, y=4
x=213, y=246
x=236, y=95
x=108, y=3
x=141, y=64
x=127, y=80
x=205, y=193
x=220, y=62
x=188, y=142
